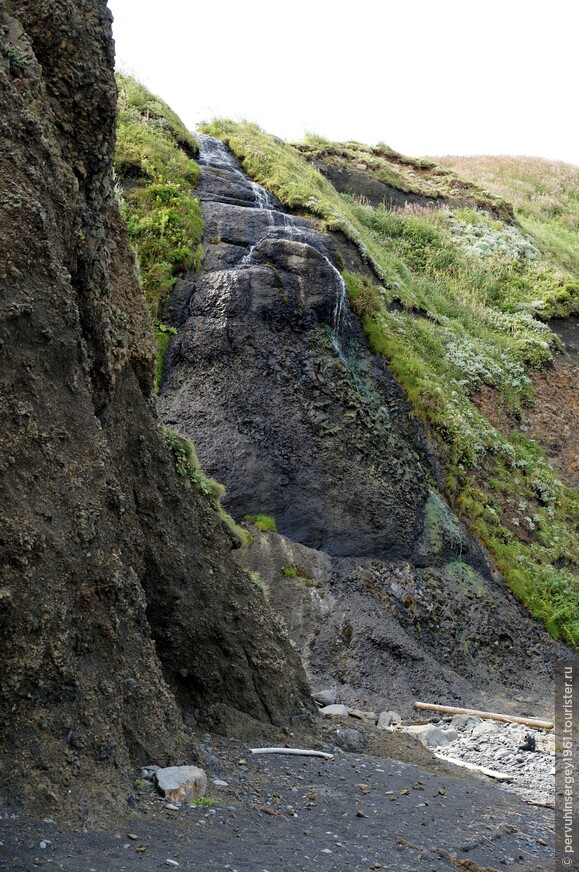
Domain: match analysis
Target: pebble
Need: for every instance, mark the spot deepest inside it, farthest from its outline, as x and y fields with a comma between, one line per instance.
x=171, y=863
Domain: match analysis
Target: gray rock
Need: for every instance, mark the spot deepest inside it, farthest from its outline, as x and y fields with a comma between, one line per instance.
x=324, y=697
x=386, y=719
x=336, y=711
x=180, y=783
x=484, y=728
x=430, y=735
x=502, y=754
x=451, y=735
x=461, y=722
x=209, y=759
x=351, y=740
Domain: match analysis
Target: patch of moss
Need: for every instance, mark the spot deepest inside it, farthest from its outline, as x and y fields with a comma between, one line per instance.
x=163, y=333
x=256, y=579
x=465, y=577
x=441, y=536
x=263, y=522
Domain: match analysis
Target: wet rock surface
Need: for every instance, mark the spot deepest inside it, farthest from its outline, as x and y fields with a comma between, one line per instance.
x=360, y=811
x=271, y=379
x=381, y=588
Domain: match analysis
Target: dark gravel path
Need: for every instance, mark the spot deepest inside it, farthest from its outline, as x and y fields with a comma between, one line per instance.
x=356, y=813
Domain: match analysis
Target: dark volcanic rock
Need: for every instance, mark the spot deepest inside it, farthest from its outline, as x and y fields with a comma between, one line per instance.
x=120, y=606
x=271, y=378
x=376, y=192
x=383, y=633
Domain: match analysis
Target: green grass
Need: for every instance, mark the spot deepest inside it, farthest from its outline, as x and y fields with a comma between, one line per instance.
x=290, y=571
x=204, y=802
x=418, y=176
x=163, y=335
x=545, y=195
x=157, y=177
x=455, y=307
x=263, y=522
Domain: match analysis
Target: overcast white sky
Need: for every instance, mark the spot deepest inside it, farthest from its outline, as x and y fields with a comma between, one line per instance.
x=425, y=76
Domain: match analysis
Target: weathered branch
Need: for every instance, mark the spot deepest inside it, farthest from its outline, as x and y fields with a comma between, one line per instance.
x=299, y=751
x=509, y=719
x=491, y=773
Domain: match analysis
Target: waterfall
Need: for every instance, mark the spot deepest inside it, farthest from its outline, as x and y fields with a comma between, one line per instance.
x=341, y=304
x=213, y=153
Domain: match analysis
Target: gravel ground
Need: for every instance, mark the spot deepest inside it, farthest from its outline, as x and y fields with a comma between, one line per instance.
x=356, y=812
x=500, y=747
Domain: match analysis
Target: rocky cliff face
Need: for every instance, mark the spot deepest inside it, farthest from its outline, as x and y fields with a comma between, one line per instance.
x=271, y=376
x=272, y=380
x=122, y=614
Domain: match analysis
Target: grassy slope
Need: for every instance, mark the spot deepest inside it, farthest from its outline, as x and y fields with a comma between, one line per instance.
x=545, y=195
x=467, y=289
x=157, y=177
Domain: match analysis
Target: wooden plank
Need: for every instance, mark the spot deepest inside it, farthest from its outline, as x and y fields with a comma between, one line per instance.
x=493, y=716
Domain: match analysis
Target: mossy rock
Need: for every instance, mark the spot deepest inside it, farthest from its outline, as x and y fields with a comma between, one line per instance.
x=441, y=538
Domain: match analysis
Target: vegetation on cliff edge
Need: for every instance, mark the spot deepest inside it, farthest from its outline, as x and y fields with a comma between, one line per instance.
x=157, y=177
x=544, y=193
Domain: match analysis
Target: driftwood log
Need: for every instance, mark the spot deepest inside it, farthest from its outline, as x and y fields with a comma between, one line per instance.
x=509, y=719
x=491, y=773
x=299, y=751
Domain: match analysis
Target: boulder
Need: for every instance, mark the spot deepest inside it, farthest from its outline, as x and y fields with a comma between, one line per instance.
x=484, y=728
x=181, y=783
x=461, y=722
x=451, y=735
x=428, y=734
x=351, y=740
x=335, y=711
x=387, y=719
x=324, y=697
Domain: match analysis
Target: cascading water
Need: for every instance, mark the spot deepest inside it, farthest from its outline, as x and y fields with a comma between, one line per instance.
x=215, y=154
